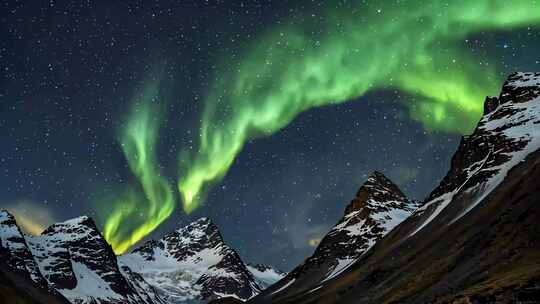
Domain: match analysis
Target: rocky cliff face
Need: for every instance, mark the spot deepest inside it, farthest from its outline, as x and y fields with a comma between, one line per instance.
x=506, y=134
x=475, y=238
x=76, y=260
x=71, y=262
x=378, y=207
x=20, y=278
x=15, y=252
x=193, y=263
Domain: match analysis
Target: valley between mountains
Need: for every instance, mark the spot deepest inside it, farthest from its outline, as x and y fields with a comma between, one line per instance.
x=474, y=239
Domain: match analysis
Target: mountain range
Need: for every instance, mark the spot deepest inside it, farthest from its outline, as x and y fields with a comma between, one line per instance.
x=474, y=239
x=71, y=262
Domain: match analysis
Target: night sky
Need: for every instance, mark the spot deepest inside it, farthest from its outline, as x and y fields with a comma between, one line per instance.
x=74, y=74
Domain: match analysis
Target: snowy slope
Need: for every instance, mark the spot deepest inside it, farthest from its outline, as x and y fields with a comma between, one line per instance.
x=16, y=253
x=192, y=263
x=265, y=275
x=71, y=259
x=475, y=237
x=378, y=207
x=75, y=260
x=506, y=134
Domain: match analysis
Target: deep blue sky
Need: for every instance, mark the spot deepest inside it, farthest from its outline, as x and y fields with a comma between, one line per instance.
x=69, y=69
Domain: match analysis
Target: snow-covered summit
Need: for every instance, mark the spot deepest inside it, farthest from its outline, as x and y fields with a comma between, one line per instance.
x=508, y=131
x=72, y=260
x=14, y=249
x=475, y=237
x=193, y=262
x=76, y=260
x=378, y=207
x=378, y=194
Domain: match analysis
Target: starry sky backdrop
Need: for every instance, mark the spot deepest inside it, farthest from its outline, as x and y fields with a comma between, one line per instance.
x=69, y=70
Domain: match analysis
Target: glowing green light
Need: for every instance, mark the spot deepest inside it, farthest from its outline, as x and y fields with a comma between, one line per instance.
x=416, y=47
x=143, y=207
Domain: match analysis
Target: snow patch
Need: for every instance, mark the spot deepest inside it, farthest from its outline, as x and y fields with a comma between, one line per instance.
x=523, y=125
x=89, y=286
x=340, y=267
x=284, y=286
x=267, y=277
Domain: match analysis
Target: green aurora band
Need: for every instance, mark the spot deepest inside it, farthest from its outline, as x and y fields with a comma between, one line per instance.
x=412, y=46
x=142, y=207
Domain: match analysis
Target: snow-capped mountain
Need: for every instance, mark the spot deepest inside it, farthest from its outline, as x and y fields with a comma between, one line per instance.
x=77, y=262
x=21, y=280
x=506, y=134
x=475, y=238
x=265, y=275
x=15, y=250
x=193, y=263
x=71, y=262
x=378, y=207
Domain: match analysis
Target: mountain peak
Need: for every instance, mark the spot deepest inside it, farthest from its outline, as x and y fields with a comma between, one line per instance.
x=14, y=250
x=196, y=228
x=482, y=215
x=5, y=215
x=193, y=262
x=73, y=255
x=378, y=207
x=77, y=227
x=521, y=80
x=519, y=87
x=377, y=192
x=202, y=231
x=504, y=136
x=81, y=220
x=203, y=220
x=183, y=241
x=375, y=176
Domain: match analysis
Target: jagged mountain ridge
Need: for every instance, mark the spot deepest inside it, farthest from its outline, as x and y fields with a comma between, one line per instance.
x=193, y=262
x=378, y=207
x=71, y=262
x=16, y=252
x=476, y=233
x=504, y=136
x=20, y=278
x=475, y=239
x=75, y=261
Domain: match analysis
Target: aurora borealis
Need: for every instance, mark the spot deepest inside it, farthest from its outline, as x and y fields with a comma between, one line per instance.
x=411, y=47
x=144, y=206
x=265, y=116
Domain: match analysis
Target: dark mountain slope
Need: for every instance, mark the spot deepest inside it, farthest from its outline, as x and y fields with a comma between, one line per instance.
x=68, y=262
x=16, y=288
x=476, y=238
x=494, y=251
x=378, y=207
